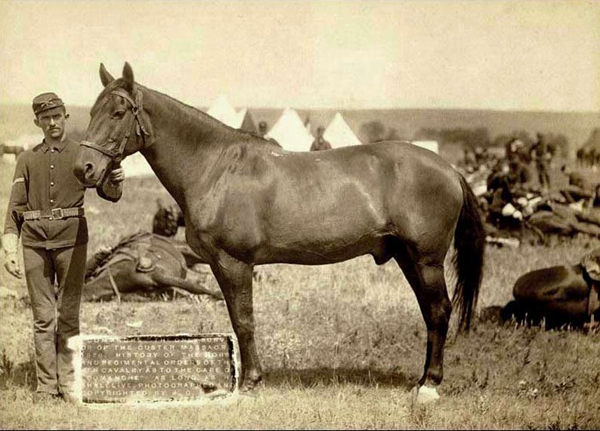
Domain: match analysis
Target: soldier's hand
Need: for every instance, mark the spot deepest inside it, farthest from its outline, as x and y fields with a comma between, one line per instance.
x=12, y=265
x=117, y=175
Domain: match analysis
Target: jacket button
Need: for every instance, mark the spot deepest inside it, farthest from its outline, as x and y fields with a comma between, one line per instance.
x=52, y=183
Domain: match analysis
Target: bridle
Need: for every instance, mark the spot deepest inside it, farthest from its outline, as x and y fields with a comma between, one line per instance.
x=116, y=155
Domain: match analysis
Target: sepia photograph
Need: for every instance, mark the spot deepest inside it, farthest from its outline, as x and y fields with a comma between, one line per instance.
x=286, y=214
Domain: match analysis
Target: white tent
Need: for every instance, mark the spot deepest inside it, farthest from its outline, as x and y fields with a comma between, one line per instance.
x=291, y=133
x=339, y=134
x=136, y=165
x=222, y=110
x=428, y=145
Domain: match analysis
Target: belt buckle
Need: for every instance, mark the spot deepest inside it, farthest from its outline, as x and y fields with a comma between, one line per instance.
x=57, y=213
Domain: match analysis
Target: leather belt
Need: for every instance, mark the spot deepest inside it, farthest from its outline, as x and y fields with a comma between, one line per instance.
x=54, y=213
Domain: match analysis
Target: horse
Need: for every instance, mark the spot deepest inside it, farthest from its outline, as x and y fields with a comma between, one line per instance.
x=558, y=296
x=11, y=149
x=141, y=263
x=247, y=202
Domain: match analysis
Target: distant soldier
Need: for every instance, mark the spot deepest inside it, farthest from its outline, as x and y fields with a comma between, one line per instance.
x=320, y=144
x=469, y=160
x=262, y=129
x=262, y=132
x=578, y=188
x=542, y=155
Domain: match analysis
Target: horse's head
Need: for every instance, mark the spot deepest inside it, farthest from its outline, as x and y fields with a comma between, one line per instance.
x=591, y=263
x=118, y=127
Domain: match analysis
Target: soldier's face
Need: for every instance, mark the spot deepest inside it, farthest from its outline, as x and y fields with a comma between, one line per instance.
x=52, y=122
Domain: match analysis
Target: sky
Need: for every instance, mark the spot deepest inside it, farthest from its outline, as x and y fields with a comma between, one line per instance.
x=353, y=54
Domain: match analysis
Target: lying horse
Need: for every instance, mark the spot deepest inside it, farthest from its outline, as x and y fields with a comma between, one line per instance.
x=11, y=149
x=558, y=296
x=140, y=263
x=248, y=202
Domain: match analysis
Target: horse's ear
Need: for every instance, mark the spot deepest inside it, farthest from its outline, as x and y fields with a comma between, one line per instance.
x=105, y=77
x=128, y=77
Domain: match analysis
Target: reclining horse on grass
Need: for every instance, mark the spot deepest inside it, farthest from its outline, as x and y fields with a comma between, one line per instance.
x=562, y=295
x=248, y=202
x=141, y=263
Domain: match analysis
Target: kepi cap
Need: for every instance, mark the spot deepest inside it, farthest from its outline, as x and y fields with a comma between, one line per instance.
x=45, y=102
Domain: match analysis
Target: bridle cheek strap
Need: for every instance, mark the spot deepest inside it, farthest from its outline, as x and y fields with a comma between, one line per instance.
x=117, y=155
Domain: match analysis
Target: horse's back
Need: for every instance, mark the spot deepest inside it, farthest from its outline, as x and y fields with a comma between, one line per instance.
x=553, y=283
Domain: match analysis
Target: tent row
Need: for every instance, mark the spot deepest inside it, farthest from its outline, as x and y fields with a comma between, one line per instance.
x=289, y=130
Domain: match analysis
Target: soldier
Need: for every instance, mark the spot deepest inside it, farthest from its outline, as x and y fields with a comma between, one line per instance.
x=320, y=144
x=542, y=155
x=578, y=188
x=262, y=129
x=46, y=210
x=262, y=132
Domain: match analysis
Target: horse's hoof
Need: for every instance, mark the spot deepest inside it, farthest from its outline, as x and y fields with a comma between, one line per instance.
x=425, y=394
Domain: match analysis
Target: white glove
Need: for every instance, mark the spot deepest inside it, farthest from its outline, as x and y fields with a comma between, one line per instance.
x=10, y=244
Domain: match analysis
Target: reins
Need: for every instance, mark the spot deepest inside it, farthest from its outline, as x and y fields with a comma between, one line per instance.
x=136, y=106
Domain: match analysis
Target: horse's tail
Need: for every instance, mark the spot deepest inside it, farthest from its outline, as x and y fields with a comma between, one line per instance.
x=469, y=241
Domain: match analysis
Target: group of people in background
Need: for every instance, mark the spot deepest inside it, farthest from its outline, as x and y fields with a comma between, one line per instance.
x=512, y=198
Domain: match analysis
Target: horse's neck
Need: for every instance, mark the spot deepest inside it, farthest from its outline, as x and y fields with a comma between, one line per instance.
x=183, y=142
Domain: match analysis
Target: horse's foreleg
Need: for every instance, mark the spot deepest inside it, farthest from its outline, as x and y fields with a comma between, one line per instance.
x=429, y=285
x=235, y=280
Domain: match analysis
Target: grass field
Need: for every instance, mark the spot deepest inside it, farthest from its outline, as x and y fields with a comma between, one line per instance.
x=341, y=346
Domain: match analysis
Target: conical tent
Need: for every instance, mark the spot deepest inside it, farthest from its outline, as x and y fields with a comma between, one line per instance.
x=222, y=110
x=429, y=145
x=245, y=121
x=339, y=134
x=291, y=133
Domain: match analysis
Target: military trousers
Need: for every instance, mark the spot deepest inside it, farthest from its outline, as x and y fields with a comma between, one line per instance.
x=55, y=281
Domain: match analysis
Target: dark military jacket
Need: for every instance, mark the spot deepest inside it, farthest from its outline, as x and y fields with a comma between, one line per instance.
x=579, y=180
x=320, y=144
x=43, y=180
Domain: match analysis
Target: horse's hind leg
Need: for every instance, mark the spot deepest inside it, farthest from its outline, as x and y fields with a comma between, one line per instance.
x=235, y=280
x=427, y=281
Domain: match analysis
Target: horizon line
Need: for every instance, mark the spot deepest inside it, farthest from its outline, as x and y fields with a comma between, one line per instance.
x=203, y=108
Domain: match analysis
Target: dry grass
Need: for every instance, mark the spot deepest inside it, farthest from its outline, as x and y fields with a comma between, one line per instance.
x=341, y=346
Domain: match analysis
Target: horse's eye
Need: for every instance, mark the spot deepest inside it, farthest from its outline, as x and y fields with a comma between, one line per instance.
x=118, y=115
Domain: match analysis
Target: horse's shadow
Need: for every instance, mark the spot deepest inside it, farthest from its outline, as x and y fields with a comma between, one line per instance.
x=313, y=377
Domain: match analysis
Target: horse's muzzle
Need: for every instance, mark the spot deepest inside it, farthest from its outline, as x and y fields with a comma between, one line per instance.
x=89, y=168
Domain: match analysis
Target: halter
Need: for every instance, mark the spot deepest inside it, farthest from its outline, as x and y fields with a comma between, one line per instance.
x=117, y=155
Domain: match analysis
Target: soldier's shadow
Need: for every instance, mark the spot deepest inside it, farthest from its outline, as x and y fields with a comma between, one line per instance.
x=312, y=377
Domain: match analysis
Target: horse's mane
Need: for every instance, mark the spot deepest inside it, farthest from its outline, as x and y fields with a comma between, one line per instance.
x=230, y=134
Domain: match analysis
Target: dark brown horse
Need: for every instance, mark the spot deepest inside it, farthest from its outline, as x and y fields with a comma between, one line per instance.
x=248, y=202
x=558, y=296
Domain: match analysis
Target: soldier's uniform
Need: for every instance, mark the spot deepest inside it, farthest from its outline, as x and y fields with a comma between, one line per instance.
x=46, y=210
x=320, y=144
x=542, y=155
